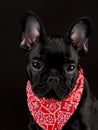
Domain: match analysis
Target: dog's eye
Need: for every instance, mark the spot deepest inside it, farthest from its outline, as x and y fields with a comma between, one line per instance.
x=70, y=68
x=37, y=65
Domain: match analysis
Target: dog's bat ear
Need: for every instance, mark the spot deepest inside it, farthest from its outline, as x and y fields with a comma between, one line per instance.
x=32, y=30
x=79, y=34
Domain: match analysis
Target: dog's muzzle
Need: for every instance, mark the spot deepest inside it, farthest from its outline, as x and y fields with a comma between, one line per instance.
x=53, y=80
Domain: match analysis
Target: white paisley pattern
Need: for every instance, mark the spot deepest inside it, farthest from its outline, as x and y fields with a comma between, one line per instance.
x=51, y=114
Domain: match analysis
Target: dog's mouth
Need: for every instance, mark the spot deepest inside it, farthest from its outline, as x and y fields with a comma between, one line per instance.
x=52, y=89
x=58, y=94
x=49, y=91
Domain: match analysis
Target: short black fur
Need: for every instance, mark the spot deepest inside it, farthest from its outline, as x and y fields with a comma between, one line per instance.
x=52, y=68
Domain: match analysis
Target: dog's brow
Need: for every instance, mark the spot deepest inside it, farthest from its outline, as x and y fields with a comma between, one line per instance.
x=38, y=58
x=69, y=60
x=34, y=58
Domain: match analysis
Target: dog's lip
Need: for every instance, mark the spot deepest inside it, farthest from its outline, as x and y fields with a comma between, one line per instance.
x=62, y=95
x=41, y=91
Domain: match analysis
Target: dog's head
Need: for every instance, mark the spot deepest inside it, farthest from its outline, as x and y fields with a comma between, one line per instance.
x=52, y=65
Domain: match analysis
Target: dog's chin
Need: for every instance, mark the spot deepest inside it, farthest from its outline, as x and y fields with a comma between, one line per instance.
x=48, y=91
x=53, y=95
x=49, y=95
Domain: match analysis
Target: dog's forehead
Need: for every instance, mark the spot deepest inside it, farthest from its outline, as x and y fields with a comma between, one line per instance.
x=54, y=45
x=57, y=48
x=54, y=48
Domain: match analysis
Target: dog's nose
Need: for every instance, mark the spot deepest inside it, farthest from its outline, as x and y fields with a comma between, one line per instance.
x=53, y=79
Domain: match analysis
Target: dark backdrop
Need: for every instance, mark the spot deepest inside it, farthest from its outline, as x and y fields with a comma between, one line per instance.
x=57, y=17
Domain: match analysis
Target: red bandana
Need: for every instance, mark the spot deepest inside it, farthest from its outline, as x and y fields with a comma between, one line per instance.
x=51, y=114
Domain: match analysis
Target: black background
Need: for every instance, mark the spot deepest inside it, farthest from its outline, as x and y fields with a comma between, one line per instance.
x=57, y=16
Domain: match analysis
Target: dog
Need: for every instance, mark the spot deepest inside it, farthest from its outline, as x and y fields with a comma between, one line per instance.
x=53, y=72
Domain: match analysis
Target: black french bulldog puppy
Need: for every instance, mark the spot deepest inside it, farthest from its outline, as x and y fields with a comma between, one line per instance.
x=53, y=64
